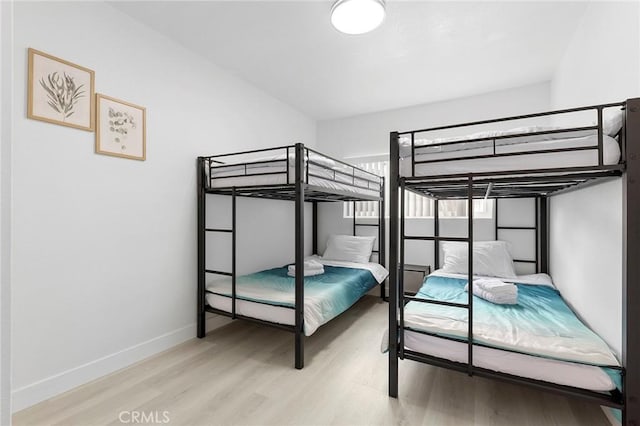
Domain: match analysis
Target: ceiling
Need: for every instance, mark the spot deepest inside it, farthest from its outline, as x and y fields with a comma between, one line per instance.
x=423, y=52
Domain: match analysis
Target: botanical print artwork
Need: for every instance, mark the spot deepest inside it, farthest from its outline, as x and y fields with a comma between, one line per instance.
x=120, y=124
x=60, y=92
x=121, y=128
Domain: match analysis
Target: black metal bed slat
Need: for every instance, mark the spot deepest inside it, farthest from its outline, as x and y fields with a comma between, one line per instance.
x=248, y=163
x=508, y=137
x=340, y=181
x=251, y=151
x=435, y=238
x=285, y=327
x=505, y=187
x=351, y=175
x=529, y=175
x=248, y=300
x=507, y=154
x=287, y=192
x=249, y=175
x=212, y=271
x=515, y=117
x=518, y=228
x=435, y=302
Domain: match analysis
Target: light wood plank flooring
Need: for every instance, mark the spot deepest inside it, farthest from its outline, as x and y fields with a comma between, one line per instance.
x=243, y=374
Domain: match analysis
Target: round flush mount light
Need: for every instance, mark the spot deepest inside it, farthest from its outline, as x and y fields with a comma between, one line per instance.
x=357, y=16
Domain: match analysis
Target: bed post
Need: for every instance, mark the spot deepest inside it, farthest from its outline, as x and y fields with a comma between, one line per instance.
x=631, y=267
x=436, y=233
x=314, y=220
x=543, y=235
x=201, y=329
x=299, y=258
x=393, y=265
x=233, y=253
x=382, y=231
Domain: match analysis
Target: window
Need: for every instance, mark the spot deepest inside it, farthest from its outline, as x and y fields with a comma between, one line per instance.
x=415, y=206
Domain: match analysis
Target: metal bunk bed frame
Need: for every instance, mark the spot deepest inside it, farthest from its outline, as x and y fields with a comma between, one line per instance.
x=299, y=192
x=539, y=184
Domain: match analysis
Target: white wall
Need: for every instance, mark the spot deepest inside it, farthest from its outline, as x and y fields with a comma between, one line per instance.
x=105, y=248
x=368, y=134
x=601, y=64
x=6, y=99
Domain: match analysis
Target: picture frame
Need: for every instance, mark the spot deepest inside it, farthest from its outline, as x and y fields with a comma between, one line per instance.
x=60, y=92
x=121, y=128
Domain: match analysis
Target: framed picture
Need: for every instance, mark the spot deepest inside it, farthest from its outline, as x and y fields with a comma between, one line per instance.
x=121, y=128
x=60, y=92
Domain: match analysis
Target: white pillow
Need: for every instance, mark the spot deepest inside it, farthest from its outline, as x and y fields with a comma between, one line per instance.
x=611, y=121
x=349, y=248
x=490, y=258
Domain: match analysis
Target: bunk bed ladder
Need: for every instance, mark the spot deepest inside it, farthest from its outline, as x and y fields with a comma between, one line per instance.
x=202, y=269
x=436, y=238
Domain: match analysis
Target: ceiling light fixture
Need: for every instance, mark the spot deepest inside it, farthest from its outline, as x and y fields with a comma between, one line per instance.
x=357, y=16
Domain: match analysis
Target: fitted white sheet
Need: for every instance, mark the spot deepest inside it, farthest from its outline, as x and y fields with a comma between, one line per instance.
x=611, y=155
x=548, y=370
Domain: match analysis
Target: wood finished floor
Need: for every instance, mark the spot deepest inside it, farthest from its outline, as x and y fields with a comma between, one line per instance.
x=243, y=374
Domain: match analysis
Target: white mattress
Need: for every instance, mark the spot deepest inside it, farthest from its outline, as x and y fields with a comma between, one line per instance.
x=325, y=176
x=271, y=313
x=611, y=155
x=548, y=370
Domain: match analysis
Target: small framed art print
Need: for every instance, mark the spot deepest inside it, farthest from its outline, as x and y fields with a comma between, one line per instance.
x=60, y=92
x=120, y=128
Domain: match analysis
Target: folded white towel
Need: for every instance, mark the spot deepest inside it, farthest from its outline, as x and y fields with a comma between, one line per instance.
x=292, y=269
x=309, y=264
x=494, y=285
x=499, y=298
x=307, y=272
x=311, y=267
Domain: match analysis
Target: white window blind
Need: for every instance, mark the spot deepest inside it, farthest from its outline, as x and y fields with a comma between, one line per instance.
x=416, y=206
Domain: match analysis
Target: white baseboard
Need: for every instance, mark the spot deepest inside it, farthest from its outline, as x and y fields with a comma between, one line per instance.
x=33, y=393
x=39, y=391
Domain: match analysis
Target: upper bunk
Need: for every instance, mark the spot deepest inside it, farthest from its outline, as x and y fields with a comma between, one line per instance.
x=545, y=154
x=271, y=173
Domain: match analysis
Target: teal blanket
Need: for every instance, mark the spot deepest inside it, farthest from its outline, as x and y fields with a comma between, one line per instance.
x=325, y=296
x=541, y=324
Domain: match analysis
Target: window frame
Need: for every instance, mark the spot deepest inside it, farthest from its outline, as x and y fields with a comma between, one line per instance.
x=361, y=161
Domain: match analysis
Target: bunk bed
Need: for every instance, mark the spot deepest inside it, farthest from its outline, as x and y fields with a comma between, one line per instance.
x=296, y=304
x=444, y=324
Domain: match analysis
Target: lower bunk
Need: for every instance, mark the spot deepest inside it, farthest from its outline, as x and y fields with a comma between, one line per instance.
x=539, y=340
x=269, y=296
